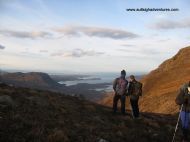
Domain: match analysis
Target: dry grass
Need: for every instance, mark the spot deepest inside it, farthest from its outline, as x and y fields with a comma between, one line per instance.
x=42, y=116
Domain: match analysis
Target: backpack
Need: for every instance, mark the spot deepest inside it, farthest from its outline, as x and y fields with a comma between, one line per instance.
x=135, y=88
x=121, y=86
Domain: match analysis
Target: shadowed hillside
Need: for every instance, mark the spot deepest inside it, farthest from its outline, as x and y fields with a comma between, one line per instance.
x=42, y=116
x=31, y=79
x=43, y=81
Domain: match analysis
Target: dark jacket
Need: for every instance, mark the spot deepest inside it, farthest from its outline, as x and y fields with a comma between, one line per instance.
x=135, y=90
x=184, y=97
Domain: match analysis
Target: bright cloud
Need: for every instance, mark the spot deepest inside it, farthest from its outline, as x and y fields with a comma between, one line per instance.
x=78, y=53
x=100, y=32
x=172, y=24
x=25, y=34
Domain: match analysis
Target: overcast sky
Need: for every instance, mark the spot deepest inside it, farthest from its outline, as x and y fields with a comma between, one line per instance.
x=90, y=35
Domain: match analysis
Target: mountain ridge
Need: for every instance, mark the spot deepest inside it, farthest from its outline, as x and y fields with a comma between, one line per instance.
x=44, y=81
x=161, y=85
x=28, y=78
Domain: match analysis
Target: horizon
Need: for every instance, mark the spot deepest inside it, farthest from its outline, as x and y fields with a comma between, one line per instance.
x=90, y=36
x=72, y=72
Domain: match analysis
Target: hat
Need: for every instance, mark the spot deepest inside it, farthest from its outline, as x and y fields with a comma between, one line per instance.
x=123, y=72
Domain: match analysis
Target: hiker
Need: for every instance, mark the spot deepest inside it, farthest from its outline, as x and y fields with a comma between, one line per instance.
x=120, y=88
x=134, y=91
x=183, y=98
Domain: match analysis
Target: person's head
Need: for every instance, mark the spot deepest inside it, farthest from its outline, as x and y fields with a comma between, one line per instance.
x=132, y=77
x=123, y=73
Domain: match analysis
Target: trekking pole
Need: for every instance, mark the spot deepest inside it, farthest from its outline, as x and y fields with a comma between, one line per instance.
x=177, y=124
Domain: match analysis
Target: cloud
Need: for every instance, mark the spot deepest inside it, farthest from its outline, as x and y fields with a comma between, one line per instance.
x=170, y=24
x=78, y=53
x=24, y=34
x=43, y=51
x=126, y=50
x=96, y=32
x=2, y=47
x=140, y=51
x=164, y=40
x=128, y=45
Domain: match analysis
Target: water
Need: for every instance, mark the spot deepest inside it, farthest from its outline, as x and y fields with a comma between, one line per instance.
x=96, y=78
x=109, y=88
x=92, y=79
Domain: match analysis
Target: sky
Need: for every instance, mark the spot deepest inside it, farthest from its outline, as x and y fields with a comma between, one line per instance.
x=66, y=36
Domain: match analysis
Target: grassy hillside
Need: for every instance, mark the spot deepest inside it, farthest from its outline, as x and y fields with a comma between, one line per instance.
x=161, y=86
x=40, y=116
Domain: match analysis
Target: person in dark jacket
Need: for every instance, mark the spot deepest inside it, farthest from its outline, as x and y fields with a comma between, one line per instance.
x=183, y=98
x=120, y=88
x=134, y=92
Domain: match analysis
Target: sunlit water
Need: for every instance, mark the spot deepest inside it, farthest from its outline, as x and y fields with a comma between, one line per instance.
x=96, y=78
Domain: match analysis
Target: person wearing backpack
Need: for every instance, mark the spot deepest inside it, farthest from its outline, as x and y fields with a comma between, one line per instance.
x=134, y=92
x=120, y=88
x=183, y=98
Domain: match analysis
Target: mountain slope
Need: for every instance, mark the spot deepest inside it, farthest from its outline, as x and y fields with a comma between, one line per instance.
x=162, y=84
x=31, y=79
x=43, y=81
x=32, y=115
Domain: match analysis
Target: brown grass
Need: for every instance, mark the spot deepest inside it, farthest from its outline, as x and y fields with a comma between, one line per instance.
x=42, y=116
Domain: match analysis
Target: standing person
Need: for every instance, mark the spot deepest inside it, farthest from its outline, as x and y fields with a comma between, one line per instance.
x=183, y=98
x=120, y=88
x=134, y=91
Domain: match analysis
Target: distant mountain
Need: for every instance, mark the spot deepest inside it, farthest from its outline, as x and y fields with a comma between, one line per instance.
x=161, y=86
x=42, y=81
x=32, y=115
x=37, y=80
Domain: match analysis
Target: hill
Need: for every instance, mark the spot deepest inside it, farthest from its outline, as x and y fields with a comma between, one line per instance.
x=43, y=116
x=31, y=79
x=43, y=81
x=161, y=86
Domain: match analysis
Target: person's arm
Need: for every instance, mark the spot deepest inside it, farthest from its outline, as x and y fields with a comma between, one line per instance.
x=126, y=88
x=129, y=89
x=114, y=84
x=179, y=99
